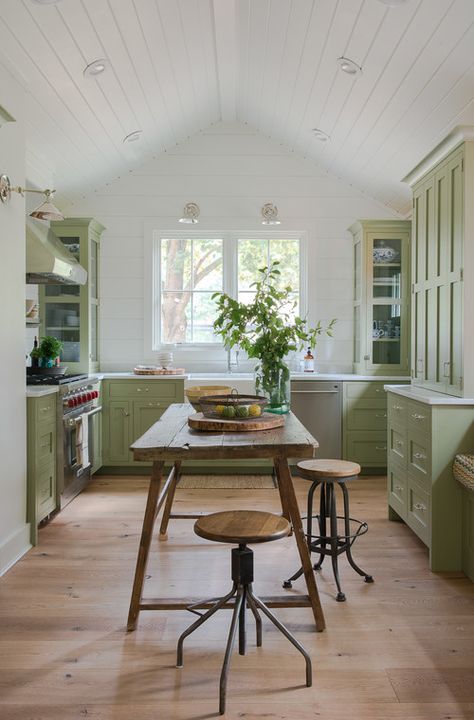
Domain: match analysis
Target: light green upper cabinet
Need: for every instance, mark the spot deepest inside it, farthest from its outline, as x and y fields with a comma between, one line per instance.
x=381, y=296
x=71, y=312
x=439, y=211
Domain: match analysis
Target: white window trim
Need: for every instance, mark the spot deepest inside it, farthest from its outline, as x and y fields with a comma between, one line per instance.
x=152, y=236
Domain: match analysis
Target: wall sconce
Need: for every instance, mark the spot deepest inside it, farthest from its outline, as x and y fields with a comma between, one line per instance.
x=45, y=211
x=270, y=215
x=190, y=213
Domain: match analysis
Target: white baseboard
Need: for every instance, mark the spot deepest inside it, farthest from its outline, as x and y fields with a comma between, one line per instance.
x=14, y=547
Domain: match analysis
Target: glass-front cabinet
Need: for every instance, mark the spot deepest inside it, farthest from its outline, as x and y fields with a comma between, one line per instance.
x=381, y=296
x=71, y=312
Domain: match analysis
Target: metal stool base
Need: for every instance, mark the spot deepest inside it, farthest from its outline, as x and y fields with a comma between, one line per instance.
x=331, y=544
x=242, y=576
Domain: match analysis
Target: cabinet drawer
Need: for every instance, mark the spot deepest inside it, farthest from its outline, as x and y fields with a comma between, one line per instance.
x=45, y=492
x=46, y=408
x=365, y=390
x=170, y=390
x=419, y=416
x=397, y=445
x=397, y=408
x=45, y=444
x=361, y=418
x=367, y=448
x=418, y=511
x=418, y=459
x=397, y=489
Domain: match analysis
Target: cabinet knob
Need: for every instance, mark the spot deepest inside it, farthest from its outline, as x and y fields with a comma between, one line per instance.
x=419, y=456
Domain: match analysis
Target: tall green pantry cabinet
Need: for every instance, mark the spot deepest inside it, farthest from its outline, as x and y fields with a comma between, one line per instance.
x=71, y=312
x=443, y=267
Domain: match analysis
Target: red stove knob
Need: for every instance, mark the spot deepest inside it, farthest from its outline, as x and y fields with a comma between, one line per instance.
x=95, y=394
x=70, y=402
x=74, y=401
x=83, y=398
x=88, y=396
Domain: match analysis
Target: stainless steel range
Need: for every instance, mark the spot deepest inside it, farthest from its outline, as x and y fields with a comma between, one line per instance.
x=78, y=410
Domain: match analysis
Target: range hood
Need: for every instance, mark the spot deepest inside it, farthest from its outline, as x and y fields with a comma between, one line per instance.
x=47, y=260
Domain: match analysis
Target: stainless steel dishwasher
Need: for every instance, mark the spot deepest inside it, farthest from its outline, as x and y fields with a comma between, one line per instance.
x=318, y=404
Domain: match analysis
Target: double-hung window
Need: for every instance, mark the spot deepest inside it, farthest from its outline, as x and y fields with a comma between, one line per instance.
x=189, y=269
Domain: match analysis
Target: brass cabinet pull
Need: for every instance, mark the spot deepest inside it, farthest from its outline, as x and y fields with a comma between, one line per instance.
x=446, y=366
x=380, y=447
x=126, y=414
x=381, y=415
x=420, y=506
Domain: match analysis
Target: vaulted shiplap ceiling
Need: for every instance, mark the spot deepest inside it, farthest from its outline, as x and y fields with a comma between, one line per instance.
x=178, y=66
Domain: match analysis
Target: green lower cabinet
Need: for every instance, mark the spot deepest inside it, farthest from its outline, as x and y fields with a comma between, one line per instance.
x=364, y=424
x=41, y=461
x=130, y=408
x=423, y=440
x=97, y=440
x=468, y=532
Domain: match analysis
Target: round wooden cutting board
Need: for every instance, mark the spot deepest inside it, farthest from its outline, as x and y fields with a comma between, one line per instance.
x=267, y=421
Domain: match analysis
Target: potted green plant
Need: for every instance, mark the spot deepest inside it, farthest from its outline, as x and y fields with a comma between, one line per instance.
x=49, y=349
x=267, y=330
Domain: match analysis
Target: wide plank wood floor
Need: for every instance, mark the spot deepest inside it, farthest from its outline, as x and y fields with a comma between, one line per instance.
x=402, y=648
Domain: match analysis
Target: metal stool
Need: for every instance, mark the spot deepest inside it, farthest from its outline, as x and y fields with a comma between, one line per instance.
x=327, y=473
x=241, y=527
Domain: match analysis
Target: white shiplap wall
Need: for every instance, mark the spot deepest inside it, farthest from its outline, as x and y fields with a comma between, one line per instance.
x=230, y=171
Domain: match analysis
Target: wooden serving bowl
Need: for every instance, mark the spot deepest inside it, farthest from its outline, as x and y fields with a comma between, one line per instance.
x=194, y=392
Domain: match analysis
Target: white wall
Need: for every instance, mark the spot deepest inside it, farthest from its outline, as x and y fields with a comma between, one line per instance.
x=14, y=532
x=230, y=171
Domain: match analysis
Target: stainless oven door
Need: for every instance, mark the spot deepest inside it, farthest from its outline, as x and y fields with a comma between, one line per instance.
x=77, y=463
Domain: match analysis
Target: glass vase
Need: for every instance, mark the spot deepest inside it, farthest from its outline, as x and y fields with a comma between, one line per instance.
x=272, y=380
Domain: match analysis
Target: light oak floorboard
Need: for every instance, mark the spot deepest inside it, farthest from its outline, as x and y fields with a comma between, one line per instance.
x=400, y=649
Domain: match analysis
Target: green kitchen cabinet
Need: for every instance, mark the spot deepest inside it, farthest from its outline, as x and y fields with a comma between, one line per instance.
x=41, y=460
x=381, y=296
x=71, y=312
x=468, y=532
x=423, y=439
x=442, y=257
x=130, y=407
x=364, y=423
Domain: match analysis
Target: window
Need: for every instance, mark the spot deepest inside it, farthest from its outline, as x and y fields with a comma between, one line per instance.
x=189, y=270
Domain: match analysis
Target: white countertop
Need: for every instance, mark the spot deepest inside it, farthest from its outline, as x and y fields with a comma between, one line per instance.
x=133, y=376
x=429, y=397
x=34, y=391
x=345, y=377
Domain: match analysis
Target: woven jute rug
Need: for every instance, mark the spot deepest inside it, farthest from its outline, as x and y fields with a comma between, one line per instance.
x=226, y=482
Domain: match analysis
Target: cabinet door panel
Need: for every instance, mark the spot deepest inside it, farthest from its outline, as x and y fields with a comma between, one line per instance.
x=367, y=449
x=119, y=431
x=145, y=414
x=360, y=418
x=46, y=444
x=397, y=489
x=397, y=445
x=418, y=511
x=45, y=492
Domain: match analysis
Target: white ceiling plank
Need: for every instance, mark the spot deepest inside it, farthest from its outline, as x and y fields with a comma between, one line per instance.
x=226, y=53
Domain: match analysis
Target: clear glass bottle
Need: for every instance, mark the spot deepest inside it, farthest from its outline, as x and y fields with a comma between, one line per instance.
x=309, y=361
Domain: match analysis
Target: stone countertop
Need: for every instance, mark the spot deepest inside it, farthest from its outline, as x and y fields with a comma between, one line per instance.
x=345, y=377
x=133, y=376
x=35, y=391
x=429, y=397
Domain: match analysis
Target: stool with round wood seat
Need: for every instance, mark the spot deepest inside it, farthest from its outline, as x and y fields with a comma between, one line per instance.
x=326, y=474
x=240, y=527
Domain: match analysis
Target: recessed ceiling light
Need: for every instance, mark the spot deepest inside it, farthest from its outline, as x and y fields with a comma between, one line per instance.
x=349, y=66
x=133, y=136
x=393, y=3
x=320, y=134
x=96, y=67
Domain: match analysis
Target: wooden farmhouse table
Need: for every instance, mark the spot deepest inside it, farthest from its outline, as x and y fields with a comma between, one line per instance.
x=171, y=439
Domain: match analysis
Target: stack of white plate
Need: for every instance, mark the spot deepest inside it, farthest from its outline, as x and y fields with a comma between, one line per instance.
x=164, y=359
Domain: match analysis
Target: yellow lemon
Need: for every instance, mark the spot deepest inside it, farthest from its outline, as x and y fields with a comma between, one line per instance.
x=220, y=409
x=255, y=410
